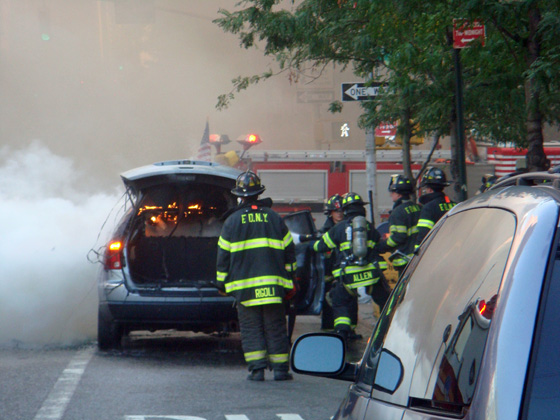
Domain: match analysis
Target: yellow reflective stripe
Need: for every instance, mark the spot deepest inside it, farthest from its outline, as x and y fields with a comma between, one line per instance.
x=352, y=269
x=265, y=301
x=342, y=321
x=256, y=243
x=358, y=284
x=259, y=282
x=291, y=267
x=398, y=229
x=391, y=242
x=287, y=240
x=255, y=355
x=425, y=223
x=225, y=245
x=344, y=246
x=401, y=261
x=383, y=265
x=371, y=244
x=328, y=241
x=412, y=230
x=278, y=358
x=221, y=276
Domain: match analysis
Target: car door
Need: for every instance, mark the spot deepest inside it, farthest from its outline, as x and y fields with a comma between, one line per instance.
x=434, y=324
x=310, y=265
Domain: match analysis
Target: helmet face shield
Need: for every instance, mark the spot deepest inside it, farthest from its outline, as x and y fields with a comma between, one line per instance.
x=248, y=184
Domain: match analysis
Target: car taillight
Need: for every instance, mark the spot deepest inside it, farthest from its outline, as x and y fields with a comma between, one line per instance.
x=113, y=255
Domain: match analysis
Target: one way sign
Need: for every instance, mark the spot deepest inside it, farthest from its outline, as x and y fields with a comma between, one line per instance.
x=359, y=92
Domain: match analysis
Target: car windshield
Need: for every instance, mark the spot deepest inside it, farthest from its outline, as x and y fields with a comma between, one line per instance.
x=439, y=334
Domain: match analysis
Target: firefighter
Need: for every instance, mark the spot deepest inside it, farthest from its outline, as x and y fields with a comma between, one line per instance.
x=487, y=181
x=335, y=214
x=255, y=264
x=333, y=211
x=402, y=223
x=434, y=204
x=356, y=263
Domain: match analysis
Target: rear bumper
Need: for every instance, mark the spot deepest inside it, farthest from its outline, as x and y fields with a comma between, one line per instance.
x=199, y=313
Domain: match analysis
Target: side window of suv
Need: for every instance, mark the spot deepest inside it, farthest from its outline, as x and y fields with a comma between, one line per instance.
x=543, y=392
x=438, y=317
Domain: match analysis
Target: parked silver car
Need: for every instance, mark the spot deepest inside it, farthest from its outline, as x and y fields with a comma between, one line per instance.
x=472, y=328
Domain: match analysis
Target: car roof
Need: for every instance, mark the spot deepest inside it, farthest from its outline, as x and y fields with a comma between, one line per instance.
x=175, y=169
x=519, y=194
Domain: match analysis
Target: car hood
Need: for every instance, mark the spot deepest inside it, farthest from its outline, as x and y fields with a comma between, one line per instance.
x=176, y=171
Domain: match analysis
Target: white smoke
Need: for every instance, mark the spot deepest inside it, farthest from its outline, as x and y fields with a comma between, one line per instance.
x=50, y=220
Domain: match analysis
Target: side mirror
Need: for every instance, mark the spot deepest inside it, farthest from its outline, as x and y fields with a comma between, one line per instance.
x=389, y=373
x=318, y=354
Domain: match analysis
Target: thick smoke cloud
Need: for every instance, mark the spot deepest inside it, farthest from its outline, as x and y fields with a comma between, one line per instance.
x=51, y=218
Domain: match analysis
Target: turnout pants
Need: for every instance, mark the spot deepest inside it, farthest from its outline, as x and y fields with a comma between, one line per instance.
x=264, y=336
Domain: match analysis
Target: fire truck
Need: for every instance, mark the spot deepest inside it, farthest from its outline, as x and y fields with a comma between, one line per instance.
x=304, y=179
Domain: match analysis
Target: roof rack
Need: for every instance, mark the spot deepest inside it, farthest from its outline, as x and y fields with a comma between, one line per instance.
x=548, y=179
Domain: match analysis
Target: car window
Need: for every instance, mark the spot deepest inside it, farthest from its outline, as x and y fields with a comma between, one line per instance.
x=543, y=390
x=438, y=317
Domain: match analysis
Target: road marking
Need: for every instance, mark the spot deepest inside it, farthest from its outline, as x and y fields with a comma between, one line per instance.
x=54, y=406
x=227, y=416
x=289, y=416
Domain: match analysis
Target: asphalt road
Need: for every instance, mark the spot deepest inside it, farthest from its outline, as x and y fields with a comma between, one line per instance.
x=167, y=375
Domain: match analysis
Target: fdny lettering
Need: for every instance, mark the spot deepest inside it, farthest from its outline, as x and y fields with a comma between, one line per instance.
x=366, y=275
x=412, y=209
x=264, y=292
x=446, y=206
x=254, y=218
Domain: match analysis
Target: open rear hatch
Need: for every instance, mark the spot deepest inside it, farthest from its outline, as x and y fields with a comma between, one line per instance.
x=177, y=219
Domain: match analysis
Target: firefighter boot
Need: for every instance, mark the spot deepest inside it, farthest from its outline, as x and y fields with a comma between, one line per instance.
x=282, y=375
x=256, y=375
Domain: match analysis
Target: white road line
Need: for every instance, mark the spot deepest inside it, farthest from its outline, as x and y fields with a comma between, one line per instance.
x=54, y=406
x=289, y=416
x=236, y=417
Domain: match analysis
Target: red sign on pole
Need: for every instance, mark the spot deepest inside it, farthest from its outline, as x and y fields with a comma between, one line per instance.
x=464, y=32
x=386, y=130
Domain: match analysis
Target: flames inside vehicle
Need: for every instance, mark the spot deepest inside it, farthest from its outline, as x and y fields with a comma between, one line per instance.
x=174, y=234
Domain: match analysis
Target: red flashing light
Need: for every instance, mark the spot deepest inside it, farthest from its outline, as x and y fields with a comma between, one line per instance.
x=249, y=140
x=113, y=255
x=219, y=139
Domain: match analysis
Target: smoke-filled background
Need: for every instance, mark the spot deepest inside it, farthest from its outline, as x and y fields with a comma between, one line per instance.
x=92, y=88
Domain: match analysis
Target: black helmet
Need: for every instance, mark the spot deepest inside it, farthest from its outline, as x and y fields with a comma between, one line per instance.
x=400, y=184
x=434, y=177
x=334, y=203
x=248, y=184
x=488, y=180
x=352, y=198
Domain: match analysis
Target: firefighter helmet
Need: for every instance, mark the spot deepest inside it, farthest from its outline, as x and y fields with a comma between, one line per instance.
x=400, y=184
x=334, y=203
x=434, y=177
x=248, y=184
x=352, y=198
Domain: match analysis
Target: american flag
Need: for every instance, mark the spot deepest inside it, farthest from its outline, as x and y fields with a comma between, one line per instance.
x=204, y=150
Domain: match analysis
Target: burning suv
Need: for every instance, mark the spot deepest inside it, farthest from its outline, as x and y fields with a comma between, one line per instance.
x=161, y=259
x=160, y=262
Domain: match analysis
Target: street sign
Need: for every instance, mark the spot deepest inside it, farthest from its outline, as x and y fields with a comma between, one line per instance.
x=464, y=32
x=359, y=92
x=385, y=130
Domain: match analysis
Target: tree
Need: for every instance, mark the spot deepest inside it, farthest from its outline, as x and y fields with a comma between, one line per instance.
x=406, y=47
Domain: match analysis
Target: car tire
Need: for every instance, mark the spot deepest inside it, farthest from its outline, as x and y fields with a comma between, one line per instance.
x=109, y=332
